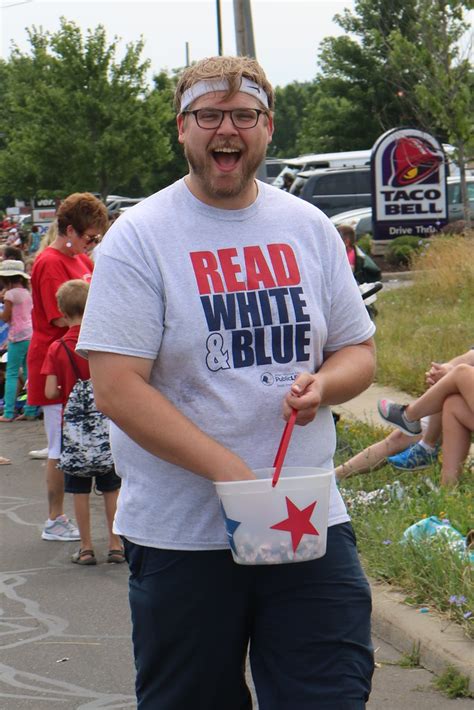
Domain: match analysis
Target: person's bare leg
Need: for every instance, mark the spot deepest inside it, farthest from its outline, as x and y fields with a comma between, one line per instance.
x=55, y=488
x=458, y=423
x=83, y=519
x=460, y=380
x=375, y=455
x=432, y=435
x=110, y=503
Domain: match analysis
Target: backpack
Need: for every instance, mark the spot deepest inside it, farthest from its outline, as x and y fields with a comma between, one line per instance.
x=85, y=447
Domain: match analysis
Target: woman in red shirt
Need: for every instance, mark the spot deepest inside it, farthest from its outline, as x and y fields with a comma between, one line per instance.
x=82, y=220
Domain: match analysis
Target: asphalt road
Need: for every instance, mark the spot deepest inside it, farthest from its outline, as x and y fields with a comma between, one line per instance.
x=65, y=630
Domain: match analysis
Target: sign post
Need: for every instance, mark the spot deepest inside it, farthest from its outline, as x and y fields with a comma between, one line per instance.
x=408, y=184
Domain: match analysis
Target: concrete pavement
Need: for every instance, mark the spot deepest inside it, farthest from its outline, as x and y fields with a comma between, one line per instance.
x=364, y=406
x=65, y=631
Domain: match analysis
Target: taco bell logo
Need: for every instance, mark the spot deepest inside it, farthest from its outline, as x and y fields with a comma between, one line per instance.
x=412, y=160
x=409, y=184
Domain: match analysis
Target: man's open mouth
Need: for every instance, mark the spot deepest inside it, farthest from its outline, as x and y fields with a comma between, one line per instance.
x=226, y=158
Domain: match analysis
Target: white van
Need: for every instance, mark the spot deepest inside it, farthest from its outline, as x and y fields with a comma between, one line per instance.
x=312, y=161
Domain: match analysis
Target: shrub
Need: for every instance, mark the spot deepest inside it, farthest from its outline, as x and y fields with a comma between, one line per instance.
x=365, y=243
x=402, y=250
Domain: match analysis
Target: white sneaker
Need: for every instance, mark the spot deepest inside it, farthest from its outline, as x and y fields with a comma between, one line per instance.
x=39, y=453
x=60, y=529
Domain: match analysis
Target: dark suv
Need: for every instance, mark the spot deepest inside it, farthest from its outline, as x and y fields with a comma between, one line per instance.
x=334, y=190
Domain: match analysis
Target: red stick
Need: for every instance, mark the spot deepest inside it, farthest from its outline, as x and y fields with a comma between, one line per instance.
x=282, y=449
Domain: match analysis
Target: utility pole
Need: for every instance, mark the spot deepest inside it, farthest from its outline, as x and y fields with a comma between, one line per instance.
x=244, y=39
x=245, y=45
x=219, y=28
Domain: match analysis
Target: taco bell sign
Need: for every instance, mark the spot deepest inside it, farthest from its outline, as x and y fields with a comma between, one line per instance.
x=408, y=184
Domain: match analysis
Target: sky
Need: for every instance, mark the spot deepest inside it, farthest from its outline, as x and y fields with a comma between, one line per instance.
x=287, y=32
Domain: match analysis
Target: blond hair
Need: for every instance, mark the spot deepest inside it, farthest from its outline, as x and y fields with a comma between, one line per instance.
x=71, y=297
x=230, y=69
x=48, y=238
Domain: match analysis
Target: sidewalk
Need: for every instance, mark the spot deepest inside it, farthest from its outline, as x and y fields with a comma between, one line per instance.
x=441, y=643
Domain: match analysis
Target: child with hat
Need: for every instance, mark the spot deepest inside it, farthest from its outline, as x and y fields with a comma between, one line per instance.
x=17, y=312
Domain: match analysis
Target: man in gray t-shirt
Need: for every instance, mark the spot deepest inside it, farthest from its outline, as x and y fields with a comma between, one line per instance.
x=217, y=306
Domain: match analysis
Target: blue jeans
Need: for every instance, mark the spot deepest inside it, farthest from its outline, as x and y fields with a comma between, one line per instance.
x=308, y=625
x=16, y=359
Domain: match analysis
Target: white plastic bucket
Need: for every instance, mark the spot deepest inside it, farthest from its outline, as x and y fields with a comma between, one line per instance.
x=270, y=526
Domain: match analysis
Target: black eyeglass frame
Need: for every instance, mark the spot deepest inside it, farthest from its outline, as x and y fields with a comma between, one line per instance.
x=194, y=112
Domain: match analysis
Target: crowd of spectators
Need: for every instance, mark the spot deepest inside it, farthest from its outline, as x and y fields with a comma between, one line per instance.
x=31, y=272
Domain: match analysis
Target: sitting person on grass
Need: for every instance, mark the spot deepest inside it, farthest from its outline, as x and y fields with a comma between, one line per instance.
x=393, y=449
x=60, y=380
x=453, y=396
x=403, y=451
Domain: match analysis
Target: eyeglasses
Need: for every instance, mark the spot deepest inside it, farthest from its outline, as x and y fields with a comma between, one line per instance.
x=91, y=238
x=211, y=118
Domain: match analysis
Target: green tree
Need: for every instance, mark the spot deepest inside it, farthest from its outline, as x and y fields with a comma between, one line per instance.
x=439, y=83
x=358, y=96
x=290, y=104
x=332, y=124
x=80, y=119
x=163, y=92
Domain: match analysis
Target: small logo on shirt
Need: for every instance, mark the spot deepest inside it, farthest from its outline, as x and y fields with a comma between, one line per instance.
x=279, y=380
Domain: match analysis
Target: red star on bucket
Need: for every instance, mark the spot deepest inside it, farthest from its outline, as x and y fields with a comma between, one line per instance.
x=298, y=522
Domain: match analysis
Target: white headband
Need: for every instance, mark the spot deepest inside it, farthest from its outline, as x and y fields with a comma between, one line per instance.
x=205, y=86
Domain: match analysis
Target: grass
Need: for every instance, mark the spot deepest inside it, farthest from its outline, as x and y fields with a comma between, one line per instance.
x=453, y=684
x=384, y=503
x=412, y=659
x=430, y=320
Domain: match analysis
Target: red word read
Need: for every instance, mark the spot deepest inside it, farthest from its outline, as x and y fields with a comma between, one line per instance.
x=247, y=269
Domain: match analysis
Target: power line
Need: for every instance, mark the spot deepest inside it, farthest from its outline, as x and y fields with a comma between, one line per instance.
x=14, y=4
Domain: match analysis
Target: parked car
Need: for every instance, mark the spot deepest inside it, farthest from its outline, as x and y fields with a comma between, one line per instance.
x=116, y=205
x=361, y=219
x=317, y=161
x=455, y=205
x=334, y=190
x=273, y=168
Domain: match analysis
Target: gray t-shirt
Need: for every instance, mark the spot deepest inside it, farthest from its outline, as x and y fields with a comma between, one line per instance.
x=230, y=305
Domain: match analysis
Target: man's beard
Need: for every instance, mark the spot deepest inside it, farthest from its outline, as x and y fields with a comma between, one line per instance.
x=234, y=185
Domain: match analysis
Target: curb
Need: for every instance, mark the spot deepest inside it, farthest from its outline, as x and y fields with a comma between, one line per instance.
x=441, y=643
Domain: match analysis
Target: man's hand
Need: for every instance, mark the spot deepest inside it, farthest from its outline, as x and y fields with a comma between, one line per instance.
x=343, y=375
x=305, y=396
